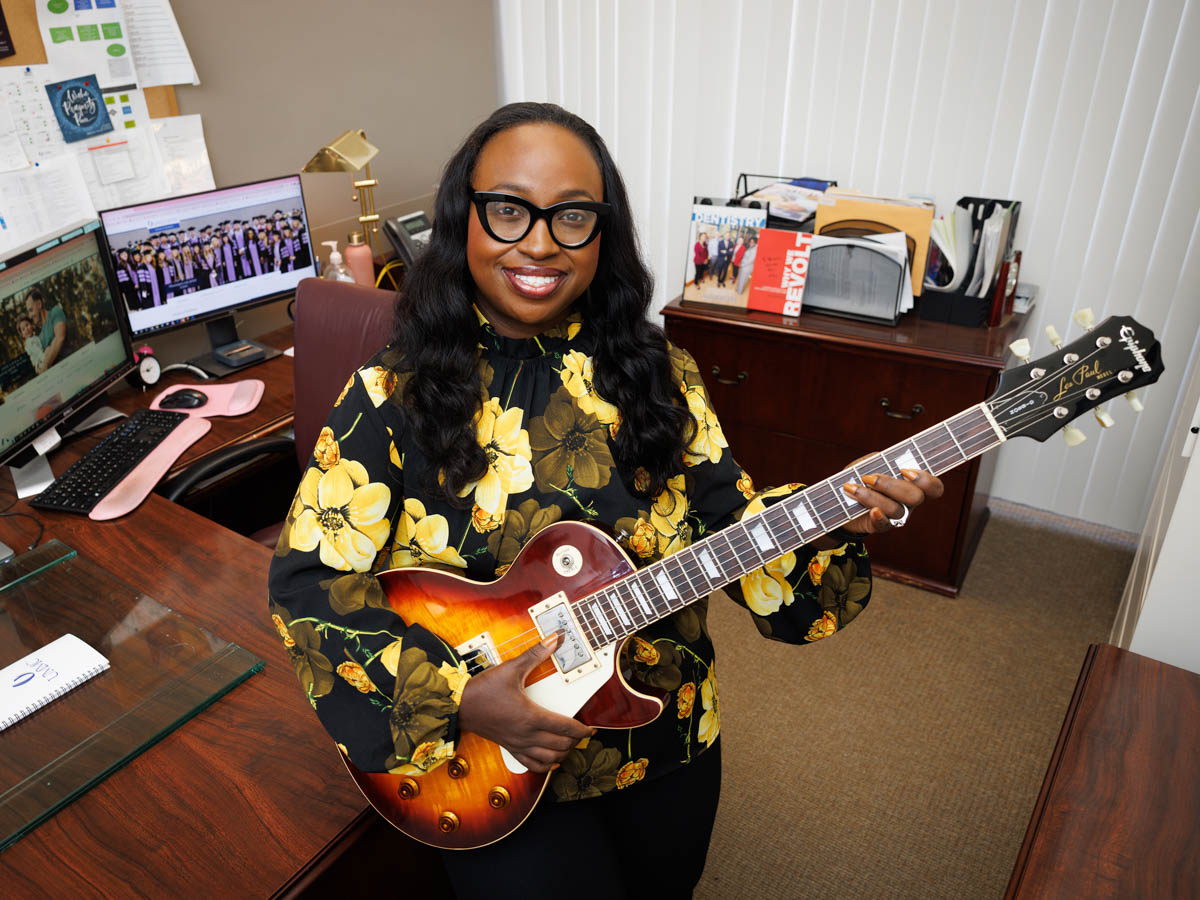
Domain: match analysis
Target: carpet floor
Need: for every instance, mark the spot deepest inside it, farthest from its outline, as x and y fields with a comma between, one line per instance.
x=902, y=757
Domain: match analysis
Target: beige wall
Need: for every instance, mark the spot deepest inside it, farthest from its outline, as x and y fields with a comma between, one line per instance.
x=279, y=80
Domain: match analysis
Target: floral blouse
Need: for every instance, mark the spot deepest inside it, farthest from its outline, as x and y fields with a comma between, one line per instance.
x=388, y=692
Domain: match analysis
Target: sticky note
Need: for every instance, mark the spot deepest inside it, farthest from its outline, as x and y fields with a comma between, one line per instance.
x=129, y=123
x=124, y=98
x=89, y=32
x=61, y=35
x=111, y=29
x=110, y=100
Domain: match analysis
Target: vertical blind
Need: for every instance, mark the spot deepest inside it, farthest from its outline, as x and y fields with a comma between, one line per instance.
x=1085, y=111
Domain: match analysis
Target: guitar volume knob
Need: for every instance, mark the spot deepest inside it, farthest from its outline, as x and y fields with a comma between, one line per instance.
x=447, y=822
x=408, y=789
x=458, y=767
x=498, y=797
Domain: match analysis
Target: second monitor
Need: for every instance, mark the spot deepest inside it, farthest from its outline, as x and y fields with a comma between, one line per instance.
x=197, y=258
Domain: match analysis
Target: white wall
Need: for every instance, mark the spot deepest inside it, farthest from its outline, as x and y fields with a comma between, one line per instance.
x=1085, y=111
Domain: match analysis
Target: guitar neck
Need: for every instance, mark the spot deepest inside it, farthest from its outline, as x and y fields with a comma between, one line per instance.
x=667, y=586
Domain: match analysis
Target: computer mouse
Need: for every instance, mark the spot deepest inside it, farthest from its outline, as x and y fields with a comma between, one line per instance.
x=186, y=398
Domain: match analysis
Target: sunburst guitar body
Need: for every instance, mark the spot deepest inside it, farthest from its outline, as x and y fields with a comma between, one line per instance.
x=483, y=793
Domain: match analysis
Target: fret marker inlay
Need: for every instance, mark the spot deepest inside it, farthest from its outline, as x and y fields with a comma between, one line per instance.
x=620, y=608
x=709, y=566
x=761, y=537
x=641, y=598
x=907, y=461
x=665, y=585
x=800, y=511
x=601, y=618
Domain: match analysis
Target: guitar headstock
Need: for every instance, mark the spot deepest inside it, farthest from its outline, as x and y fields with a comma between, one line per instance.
x=1037, y=399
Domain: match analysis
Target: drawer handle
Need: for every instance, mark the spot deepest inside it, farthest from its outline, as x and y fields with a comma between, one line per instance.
x=741, y=376
x=916, y=410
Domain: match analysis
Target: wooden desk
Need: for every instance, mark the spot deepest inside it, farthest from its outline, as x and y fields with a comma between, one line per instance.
x=1117, y=814
x=247, y=798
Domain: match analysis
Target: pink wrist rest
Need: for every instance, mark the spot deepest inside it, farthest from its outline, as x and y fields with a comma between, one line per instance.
x=133, y=488
x=235, y=399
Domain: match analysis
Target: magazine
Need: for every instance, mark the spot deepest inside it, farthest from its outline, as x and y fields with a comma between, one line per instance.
x=780, y=271
x=722, y=246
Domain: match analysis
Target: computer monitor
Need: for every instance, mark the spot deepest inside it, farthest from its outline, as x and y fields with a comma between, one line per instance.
x=197, y=258
x=62, y=341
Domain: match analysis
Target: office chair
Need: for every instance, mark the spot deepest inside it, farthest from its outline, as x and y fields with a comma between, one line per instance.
x=338, y=327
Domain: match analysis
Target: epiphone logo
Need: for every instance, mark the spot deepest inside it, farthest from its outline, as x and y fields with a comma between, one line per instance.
x=1131, y=344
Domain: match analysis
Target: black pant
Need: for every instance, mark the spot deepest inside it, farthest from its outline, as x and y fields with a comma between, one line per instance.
x=646, y=841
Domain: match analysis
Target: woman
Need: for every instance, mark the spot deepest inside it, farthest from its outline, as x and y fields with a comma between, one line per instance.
x=699, y=258
x=523, y=386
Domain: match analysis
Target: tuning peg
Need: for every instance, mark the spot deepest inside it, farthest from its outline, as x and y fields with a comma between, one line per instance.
x=1073, y=436
x=1084, y=318
x=1052, y=333
x=1105, y=420
x=1020, y=349
x=1134, y=400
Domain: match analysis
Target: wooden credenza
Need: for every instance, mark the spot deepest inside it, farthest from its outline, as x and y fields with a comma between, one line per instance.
x=800, y=398
x=1118, y=810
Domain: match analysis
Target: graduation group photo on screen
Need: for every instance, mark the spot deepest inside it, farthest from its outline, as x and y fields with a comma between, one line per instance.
x=155, y=267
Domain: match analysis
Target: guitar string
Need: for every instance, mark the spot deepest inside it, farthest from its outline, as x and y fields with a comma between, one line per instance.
x=940, y=454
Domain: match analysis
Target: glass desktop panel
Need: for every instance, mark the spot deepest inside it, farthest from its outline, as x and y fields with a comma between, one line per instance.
x=163, y=670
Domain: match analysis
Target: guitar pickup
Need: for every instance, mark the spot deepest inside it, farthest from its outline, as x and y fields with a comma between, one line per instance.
x=479, y=653
x=574, y=656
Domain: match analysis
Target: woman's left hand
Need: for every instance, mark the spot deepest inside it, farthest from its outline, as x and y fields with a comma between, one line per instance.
x=890, y=499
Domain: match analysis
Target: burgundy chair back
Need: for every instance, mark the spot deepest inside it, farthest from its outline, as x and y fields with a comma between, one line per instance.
x=339, y=326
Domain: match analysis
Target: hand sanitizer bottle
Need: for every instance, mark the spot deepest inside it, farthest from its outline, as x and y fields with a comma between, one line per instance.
x=336, y=269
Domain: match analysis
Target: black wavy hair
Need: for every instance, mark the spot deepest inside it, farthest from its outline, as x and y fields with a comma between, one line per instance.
x=436, y=330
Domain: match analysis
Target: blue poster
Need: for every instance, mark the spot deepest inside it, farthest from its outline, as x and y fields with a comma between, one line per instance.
x=79, y=108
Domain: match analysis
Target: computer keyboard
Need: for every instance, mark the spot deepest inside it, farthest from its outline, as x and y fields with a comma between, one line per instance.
x=97, y=472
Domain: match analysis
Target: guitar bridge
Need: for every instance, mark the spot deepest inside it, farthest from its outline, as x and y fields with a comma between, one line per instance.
x=574, y=656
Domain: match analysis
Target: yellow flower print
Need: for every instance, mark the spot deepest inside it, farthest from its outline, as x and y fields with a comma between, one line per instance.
x=345, y=390
x=668, y=515
x=326, y=453
x=283, y=631
x=644, y=652
x=357, y=676
x=684, y=699
x=766, y=590
x=483, y=521
x=506, y=444
x=823, y=627
x=343, y=513
x=710, y=721
x=641, y=479
x=573, y=329
x=420, y=537
x=644, y=540
x=819, y=563
x=577, y=377
x=709, y=439
x=746, y=486
x=631, y=773
x=425, y=758
x=380, y=383
x=457, y=677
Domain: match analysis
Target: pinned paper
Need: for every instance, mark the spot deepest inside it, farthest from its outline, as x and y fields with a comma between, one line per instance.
x=79, y=107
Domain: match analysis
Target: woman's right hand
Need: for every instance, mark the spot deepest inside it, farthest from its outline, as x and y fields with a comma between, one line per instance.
x=494, y=705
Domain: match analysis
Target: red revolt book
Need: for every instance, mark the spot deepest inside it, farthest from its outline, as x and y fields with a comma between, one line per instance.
x=780, y=271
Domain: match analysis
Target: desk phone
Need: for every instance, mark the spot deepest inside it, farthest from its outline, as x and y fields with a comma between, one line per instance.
x=409, y=235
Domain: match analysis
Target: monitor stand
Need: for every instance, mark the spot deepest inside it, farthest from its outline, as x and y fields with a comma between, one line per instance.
x=230, y=353
x=36, y=475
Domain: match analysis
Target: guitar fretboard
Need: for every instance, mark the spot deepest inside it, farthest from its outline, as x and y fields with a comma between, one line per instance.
x=665, y=587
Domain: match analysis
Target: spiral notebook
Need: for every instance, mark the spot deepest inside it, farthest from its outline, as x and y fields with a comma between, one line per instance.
x=44, y=675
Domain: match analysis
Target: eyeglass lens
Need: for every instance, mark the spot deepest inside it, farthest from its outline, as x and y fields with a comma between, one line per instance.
x=568, y=226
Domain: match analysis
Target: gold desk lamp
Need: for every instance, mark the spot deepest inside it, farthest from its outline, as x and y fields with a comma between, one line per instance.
x=349, y=152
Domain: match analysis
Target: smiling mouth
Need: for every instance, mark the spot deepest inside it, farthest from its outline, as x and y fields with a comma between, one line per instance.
x=534, y=285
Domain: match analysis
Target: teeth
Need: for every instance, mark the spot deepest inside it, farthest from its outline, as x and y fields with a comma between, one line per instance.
x=535, y=281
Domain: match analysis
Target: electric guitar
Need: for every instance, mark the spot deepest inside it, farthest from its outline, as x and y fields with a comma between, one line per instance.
x=573, y=579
